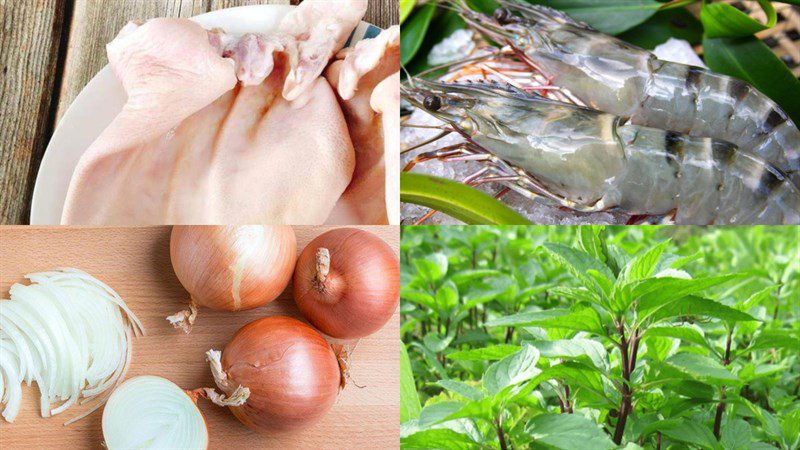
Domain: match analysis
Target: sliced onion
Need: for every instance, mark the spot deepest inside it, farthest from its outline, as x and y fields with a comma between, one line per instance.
x=153, y=412
x=68, y=332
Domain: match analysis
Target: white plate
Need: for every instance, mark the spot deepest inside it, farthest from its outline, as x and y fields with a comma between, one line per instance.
x=102, y=99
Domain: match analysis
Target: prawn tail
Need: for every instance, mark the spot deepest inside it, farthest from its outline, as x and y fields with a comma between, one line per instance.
x=540, y=13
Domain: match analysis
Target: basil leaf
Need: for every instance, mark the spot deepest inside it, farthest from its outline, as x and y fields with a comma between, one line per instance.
x=409, y=400
x=676, y=23
x=406, y=6
x=568, y=432
x=608, y=16
x=414, y=31
x=751, y=60
x=724, y=20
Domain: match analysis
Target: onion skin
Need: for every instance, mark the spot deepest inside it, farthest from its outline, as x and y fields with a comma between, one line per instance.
x=291, y=371
x=361, y=290
x=232, y=268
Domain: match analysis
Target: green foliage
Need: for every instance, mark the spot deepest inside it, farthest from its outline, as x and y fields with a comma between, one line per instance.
x=601, y=337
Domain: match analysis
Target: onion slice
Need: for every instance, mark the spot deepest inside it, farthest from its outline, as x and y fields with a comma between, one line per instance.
x=70, y=333
x=153, y=412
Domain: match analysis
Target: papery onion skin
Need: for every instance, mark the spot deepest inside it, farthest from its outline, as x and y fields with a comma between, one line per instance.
x=146, y=396
x=291, y=371
x=361, y=290
x=232, y=268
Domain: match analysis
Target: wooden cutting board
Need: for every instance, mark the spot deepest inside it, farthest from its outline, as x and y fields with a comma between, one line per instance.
x=135, y=262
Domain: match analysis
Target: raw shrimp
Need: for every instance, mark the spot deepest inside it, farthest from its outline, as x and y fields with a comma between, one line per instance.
x=616, y=77
x=589, y=160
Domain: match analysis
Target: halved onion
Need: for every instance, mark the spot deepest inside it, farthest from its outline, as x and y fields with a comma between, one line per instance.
x=70, y=333
x=153, y=412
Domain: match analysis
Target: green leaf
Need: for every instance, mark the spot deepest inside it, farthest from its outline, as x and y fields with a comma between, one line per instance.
x=678, y=23
x=511, y=370
x=414, y=31
x=430, y=357
x=655, y=292
x=571, y=348
x=751, y=60
x=581, y=319
x=684, y=332
x=497, y=287
x=568, y=432
x=465, y=276
x=691, y=432
x=702, y=368
x=697, y=306
x=578, y=263
x=419, y=297
x=736, y=435
x=608, y=16
x=576, y=374
x=410, y=406
x=440, y=438
x=644, y=265
x=436, y=343
x=478, y=409
x=758, y=297
x=491, y=353
x=447, y=296
x=775, y=339
x=432, y=268
x=406, y=6
x=457, y=200
x=591, y=242
x=724, y=20
x=484, y=6
x=579, y=294
x=462, y=389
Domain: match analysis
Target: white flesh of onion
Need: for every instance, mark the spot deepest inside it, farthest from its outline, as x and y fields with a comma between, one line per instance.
x=68, y=332
x=153, y=412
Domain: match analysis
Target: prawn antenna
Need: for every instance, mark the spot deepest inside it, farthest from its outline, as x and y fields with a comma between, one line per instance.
x=458, y=62
x=453, y=5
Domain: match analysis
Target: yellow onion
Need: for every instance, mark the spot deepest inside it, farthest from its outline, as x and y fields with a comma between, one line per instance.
x=277, y=374
x=347, y=283
x=149, y=412
x=231, y=268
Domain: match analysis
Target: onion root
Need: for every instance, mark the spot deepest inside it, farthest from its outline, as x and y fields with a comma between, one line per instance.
x=184, y=319
x=234, y=396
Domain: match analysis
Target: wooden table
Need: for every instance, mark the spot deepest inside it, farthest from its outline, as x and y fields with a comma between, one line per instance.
x=50, y=49
x=135, y=262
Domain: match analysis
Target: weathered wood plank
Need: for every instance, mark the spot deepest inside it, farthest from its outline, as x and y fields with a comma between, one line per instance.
x=383, y=13
x=29, y=47
x=222, y=4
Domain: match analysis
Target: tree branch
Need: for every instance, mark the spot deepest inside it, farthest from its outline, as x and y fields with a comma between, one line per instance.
x=625, y=402
x=721, y=405
x=500, y=435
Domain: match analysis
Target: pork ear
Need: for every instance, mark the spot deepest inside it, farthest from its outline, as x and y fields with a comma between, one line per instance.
x=169, y=70
x=321, y=28
x=381, y=55
x=369, y=95
x=385, y=100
